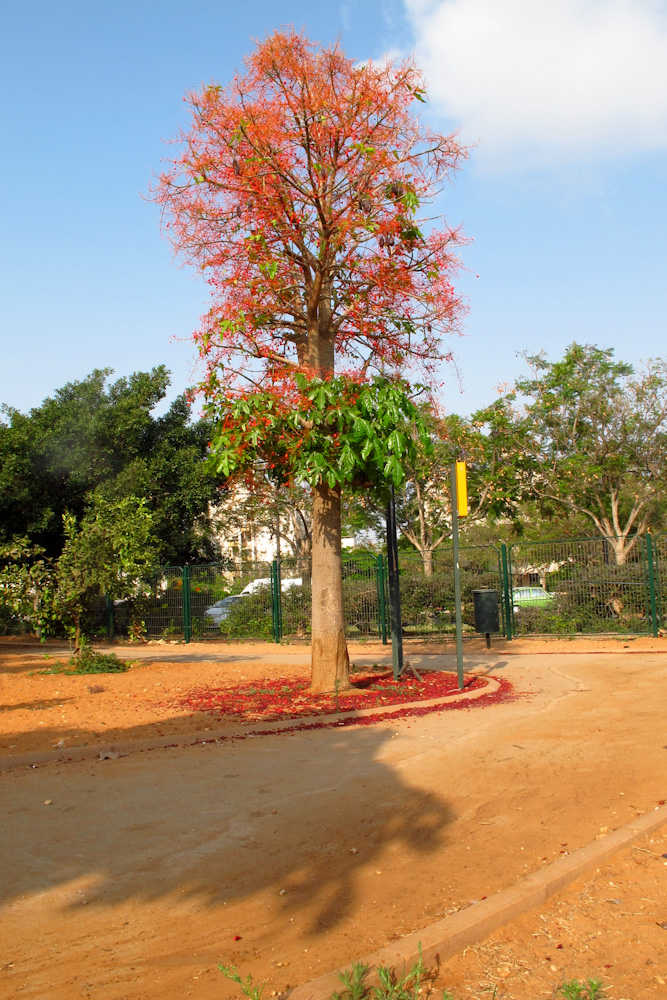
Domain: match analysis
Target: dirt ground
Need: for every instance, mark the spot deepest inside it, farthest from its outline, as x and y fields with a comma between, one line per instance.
x=290, y=855
x=610, y=925
x=40, y=711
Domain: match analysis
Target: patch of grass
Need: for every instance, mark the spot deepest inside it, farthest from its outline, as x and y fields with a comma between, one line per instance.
x=89, y=661
x=592, y=989
x=391, y=986
x=248, y=988
x=355, y=983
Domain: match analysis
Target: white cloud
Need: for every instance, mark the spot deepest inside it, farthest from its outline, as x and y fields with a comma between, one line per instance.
x=547, y=81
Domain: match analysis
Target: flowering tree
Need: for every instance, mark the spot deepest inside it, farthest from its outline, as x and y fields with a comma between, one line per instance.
x=296, y=192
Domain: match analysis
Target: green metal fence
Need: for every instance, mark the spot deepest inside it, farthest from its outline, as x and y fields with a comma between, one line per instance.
x=363, y=594
x=575, y=587
x=427, y=588
x=545, y=588
x=158, y=608
x=231, y=601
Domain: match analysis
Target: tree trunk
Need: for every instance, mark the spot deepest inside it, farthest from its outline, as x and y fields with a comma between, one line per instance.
x=330, y=661
x=427, y=559
x=621, y=549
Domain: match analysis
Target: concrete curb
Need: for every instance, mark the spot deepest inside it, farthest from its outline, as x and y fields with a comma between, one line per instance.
x=121, y=749
x=448, y=937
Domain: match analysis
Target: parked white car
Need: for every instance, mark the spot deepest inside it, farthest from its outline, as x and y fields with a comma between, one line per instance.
x=221, y=609
x=265, y=581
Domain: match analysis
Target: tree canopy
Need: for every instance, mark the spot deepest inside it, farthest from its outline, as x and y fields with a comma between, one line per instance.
x=296, y=194
x=96, y=436
x=107, y=553
x=587, y=434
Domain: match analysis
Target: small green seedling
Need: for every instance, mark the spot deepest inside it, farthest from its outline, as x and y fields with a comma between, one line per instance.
x=354, y=981
x=575, y=990
x=247, y=986
x=390, y=985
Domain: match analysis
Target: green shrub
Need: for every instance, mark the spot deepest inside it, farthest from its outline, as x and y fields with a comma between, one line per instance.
x=13, y=624
x=90, y=661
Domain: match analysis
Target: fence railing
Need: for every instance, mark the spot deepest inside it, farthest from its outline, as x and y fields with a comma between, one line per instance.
x=577, y=588
x=272, y=600
x=568, y=587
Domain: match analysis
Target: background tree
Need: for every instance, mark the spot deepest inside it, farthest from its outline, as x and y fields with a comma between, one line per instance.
x=424, y=504
x=295, y=192
x=108, y=552
x=94, y=436
x=25, y=587
x=590, y=438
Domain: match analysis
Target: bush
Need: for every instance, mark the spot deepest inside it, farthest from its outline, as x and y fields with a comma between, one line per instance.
x=592, y=599
x=427, y=602
x=296, y=610
x=90, y=661
x=12, y=624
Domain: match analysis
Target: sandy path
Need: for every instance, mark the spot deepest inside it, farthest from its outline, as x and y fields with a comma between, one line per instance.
x=609, y=925
x=142, y=873
x=40, y=711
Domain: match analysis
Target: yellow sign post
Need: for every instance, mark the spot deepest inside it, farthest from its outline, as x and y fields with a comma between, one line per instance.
x=459, y=505
x=461, y=489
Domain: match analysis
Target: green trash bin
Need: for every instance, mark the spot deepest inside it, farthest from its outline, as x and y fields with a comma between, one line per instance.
x=487, y=612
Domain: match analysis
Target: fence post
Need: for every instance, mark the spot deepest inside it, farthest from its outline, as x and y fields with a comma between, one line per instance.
x=506, y=592
x=279, y=577
x=658, y=587
x=110, y=621
x=379, y=582
x=275, y=601
x=394, y=589
x=187, y=613
x=651, y=584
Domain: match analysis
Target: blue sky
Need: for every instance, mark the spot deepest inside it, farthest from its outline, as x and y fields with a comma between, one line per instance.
x=564, y=194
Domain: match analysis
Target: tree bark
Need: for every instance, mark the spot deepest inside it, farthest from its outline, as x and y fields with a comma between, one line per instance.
x=427, y=559
x=330, y=661
x=620, y=549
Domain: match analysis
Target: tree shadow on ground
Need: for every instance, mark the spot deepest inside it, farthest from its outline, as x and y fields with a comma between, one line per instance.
x=36, y=705
x=219, y=823
x=30, y=659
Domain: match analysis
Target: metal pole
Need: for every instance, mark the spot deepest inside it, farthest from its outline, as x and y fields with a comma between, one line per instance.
x=656, y=563
x=274, y=612
x=277, y=524
x=506, y=593
x=457, y=579
x=394, y=590
x=275, y=601
x=187, y=619
x=382, y=613
x=279, y=598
